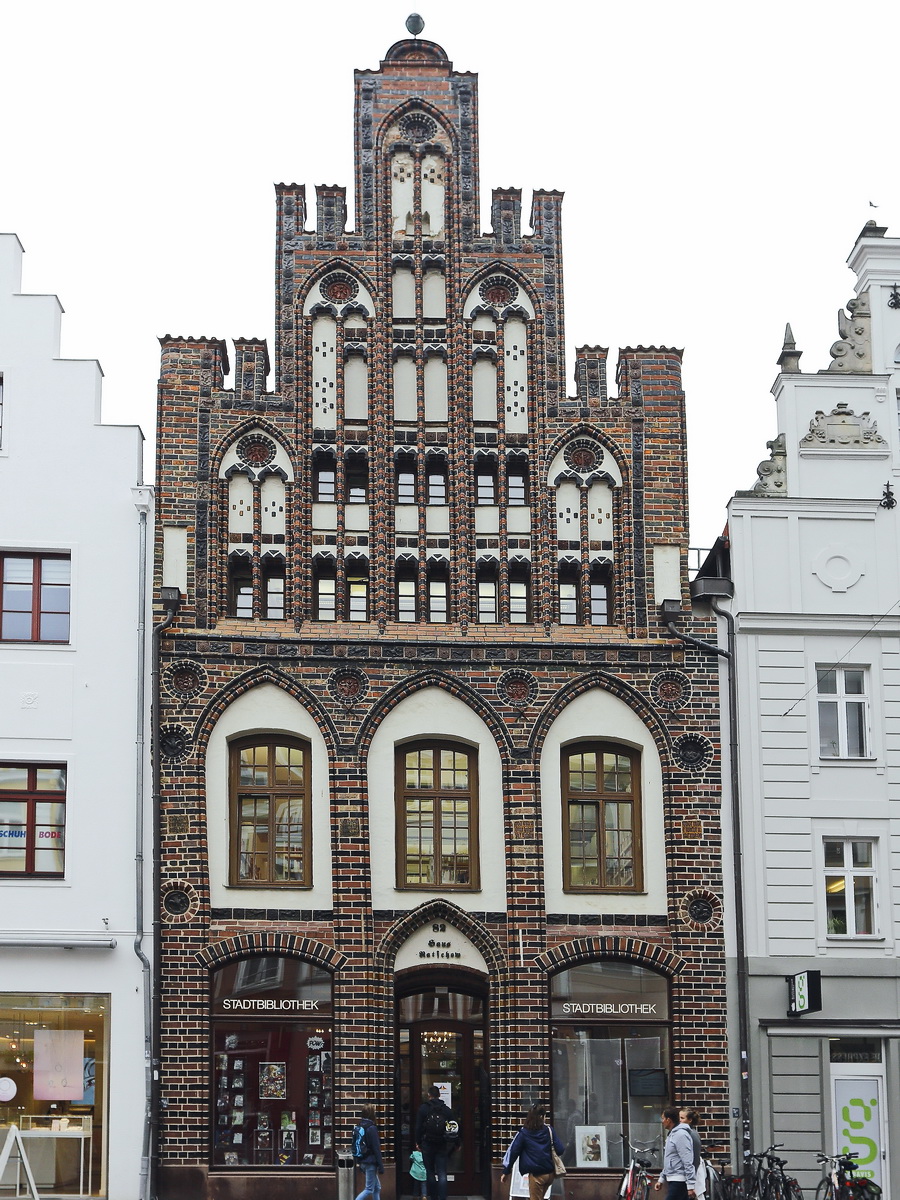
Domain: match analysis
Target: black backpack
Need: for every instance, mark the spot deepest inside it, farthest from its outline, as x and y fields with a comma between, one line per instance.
x=360, y=1143
x=440, y=1125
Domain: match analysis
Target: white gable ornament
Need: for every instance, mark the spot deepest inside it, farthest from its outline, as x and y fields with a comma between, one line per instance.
x=840, y=429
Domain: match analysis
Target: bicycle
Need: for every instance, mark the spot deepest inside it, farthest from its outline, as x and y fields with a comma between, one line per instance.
x=840, y=1183
x=770, y=1182
x=635, y=1183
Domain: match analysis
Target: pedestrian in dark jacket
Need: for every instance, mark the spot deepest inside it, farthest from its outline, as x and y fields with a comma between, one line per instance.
x=370, y=1159
x=434, y=1146
x=533, y=1147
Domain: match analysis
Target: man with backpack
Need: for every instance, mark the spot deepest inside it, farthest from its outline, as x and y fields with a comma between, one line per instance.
x=367, y=1152
x=436, y=1140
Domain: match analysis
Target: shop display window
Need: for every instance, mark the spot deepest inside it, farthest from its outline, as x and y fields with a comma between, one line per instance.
x=272, y=1065
x=610, y=1061
x=53, y=1073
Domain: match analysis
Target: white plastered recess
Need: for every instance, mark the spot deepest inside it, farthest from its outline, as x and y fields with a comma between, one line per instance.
x=266, y=710
x=597, y=715
x=434, y=713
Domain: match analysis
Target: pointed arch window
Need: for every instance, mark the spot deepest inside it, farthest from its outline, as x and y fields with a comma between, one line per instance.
x=324, y=477
x=406, y=587
x=438, y=592
x=436, y=478
x=601, y=594
x=601, y=817
x=488, y=594
x=240, y=585
x=273, y=578
x=485, y=479
x=357, y=590
x=517, y=490
x=519, y=593
x=356, y=478
x=270, y=813
x=324, y=589
x=437, y=815
x=569, y=589
x=406, y=479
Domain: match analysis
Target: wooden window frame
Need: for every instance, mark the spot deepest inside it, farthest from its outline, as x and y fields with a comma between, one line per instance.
x=236, y=789
x=436, y=744
x=37, y=610
x=633, y=797
x=31, y=796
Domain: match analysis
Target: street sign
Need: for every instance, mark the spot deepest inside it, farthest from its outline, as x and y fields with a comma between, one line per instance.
x=804, y=993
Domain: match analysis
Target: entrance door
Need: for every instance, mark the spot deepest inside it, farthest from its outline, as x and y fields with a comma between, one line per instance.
x=857, y=1083
x=442, y=1044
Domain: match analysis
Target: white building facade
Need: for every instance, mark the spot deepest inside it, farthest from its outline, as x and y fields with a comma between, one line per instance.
x=815, y=562
x=75, y=932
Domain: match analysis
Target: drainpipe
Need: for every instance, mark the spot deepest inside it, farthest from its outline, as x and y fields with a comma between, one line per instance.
x=171, y=602
x=143, y=497
x=711, y=590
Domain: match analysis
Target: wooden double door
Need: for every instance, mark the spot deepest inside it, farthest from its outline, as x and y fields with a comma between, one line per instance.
x=442, y=1043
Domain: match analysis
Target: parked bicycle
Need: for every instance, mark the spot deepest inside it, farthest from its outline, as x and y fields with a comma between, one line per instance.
x=841, y=1184
x=635, y=1183
x=768, y=1180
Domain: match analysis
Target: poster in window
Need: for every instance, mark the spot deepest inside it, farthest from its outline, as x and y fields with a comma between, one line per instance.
x=59, y=1064
x=315, y=1136
x=590, y=1146
x=273, y=1081
x=314, y=1063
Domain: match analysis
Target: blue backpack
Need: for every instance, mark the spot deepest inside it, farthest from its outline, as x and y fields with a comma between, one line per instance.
x=360, y=1143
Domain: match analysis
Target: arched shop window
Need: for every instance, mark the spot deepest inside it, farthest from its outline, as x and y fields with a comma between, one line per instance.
x=272, y=1067
x=611, y=1065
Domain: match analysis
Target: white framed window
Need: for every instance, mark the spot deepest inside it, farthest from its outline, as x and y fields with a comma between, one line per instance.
x=843, y=711
x=851, y=908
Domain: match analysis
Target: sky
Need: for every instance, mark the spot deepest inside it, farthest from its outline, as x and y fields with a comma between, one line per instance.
x=718, y=162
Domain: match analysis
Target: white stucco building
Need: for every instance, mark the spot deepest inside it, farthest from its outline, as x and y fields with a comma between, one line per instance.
x=74, y=816
x=814, y=557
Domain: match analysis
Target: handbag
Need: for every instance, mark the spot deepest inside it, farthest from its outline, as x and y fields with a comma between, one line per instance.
x=559, y=1167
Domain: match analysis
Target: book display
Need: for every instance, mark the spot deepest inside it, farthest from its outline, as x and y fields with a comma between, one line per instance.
x=273, y=1097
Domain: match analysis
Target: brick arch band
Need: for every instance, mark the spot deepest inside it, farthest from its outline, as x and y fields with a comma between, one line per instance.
x=439, y=910
x=271, y=942
x=246, y=682
x=624, y=949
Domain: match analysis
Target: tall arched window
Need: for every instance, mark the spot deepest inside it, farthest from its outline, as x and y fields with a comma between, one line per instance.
x=437, y=815
x=610, y=1060
x=438, y=592
x=406, y=589
x=270, y=813
x=357, y=590
x=601, y=818
x=272, y=1067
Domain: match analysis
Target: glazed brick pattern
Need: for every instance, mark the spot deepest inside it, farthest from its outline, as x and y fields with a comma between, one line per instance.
x=643, y=428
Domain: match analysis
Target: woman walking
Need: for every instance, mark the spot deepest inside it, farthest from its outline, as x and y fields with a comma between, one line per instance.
x=533, y=1146
x=367, y=1152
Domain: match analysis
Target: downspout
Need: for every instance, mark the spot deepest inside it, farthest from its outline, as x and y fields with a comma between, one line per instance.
x=142, y=500
x=171, y=601
x=711, y=590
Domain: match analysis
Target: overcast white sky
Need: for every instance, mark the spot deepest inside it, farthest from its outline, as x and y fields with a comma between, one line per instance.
x=718, y=162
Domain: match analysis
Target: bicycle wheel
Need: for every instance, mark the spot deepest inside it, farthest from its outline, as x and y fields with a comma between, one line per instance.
x=714, y=1188
x=825, y=1190
x=795, y=1191
x=641, y=1188
x=774, y=1189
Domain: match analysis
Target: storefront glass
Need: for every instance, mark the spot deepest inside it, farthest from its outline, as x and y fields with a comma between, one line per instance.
x=53, y=1071
x=272, y=1065
x=610, y=1061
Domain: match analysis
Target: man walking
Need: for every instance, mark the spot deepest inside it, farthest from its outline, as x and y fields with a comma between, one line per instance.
x=431, y=1139
x=678, y=1158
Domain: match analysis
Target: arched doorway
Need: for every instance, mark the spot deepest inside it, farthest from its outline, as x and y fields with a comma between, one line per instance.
x=442, y=1041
